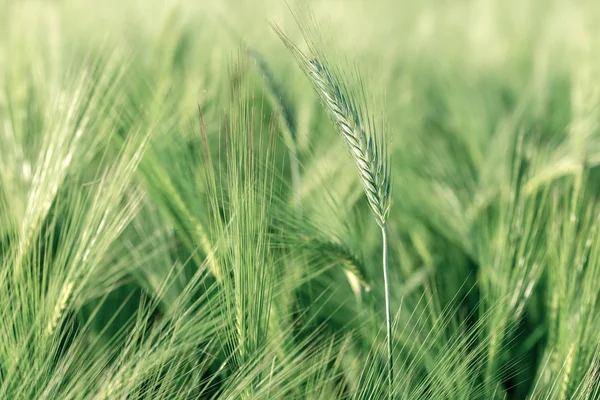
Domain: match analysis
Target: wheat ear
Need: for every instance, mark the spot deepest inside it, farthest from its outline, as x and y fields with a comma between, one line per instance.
x=360, y=137
x=59, y=309
x=347, y=109
x=287, y=117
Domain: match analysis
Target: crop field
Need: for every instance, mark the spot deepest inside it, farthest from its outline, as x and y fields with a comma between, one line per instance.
x=312, y=199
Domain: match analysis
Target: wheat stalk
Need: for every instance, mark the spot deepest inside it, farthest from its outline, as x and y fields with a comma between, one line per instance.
x=347, y=109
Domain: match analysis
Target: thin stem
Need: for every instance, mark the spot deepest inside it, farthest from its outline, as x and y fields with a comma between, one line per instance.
x=271, y=377
x=388, y=314
x=295, y=170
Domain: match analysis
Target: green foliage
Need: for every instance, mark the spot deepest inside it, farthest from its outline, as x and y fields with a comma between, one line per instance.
x=179, y=218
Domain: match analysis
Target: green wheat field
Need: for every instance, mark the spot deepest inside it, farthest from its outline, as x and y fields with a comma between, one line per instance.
x=316, y=199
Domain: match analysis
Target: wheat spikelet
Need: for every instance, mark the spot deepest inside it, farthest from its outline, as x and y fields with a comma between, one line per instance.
x=287, y=117
x=360, y=138
x=60, y=308
x=347, y=108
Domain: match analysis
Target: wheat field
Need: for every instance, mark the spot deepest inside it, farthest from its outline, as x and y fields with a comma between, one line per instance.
x=316, y=199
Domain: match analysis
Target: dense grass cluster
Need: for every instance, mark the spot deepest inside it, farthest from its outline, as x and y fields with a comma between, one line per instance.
x=195, y=198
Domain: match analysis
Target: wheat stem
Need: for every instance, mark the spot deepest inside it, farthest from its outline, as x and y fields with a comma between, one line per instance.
x=295, y=173
x=388, y=313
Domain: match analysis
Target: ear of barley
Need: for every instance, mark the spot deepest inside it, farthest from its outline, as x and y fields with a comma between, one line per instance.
x=359, y=133
x=60, y=308
x=347, y=108
x=287, y=116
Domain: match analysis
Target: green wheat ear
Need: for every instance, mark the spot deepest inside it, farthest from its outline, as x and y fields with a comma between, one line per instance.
x=347, y=108
x=367, y=150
